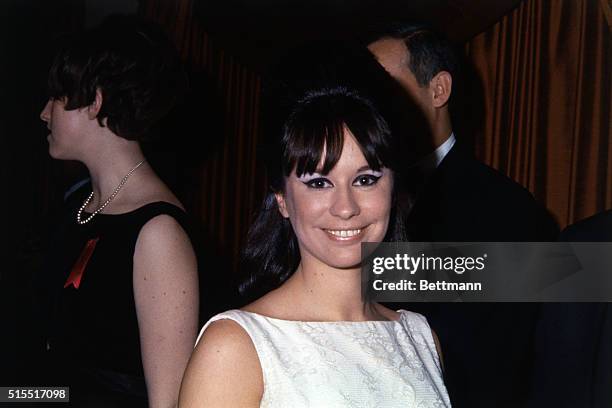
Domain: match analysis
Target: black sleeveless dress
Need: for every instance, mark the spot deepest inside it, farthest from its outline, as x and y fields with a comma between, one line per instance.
x=93, y=341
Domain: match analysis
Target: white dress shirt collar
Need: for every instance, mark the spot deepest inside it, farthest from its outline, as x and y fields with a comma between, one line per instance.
x=430, y=163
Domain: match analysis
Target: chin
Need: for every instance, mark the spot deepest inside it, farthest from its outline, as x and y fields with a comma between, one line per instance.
x=349, y=262
x=57, y=154
x=53, y=153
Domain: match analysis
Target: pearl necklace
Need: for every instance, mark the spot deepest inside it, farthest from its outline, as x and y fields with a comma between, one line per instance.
x=107, y=202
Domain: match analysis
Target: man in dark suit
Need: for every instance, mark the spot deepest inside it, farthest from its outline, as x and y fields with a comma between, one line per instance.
x=573, y=365
x=455, y=198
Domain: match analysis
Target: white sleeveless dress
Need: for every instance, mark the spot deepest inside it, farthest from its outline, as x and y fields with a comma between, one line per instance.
x=345, y=364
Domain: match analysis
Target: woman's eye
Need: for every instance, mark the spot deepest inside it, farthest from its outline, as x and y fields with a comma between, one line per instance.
x=366, y=180
x=318, y=183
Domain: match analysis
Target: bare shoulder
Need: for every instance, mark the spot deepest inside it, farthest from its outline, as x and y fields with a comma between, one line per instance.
x=224, y=369
x=162, y=230
x=226, y=337
x=160, y=224
x=163, y=244
x=387, y=313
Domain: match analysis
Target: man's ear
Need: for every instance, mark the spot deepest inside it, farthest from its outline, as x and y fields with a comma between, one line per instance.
x=96, y=105
x=282, y=205
x=441, y=86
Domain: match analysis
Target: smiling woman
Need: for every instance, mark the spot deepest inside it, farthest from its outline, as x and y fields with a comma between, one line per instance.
x=310, y=340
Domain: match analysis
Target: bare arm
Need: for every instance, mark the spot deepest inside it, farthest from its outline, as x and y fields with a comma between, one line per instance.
x=166, y=297
x=224, y=370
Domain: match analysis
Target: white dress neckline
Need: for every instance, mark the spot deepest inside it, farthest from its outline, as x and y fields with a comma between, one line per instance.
x=401, y=312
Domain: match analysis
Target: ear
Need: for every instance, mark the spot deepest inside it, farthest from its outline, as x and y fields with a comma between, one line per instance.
x=441, y=86
x=282, y=205
x=96, y=105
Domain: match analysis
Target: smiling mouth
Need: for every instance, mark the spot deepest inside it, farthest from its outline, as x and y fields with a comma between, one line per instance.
x=344, y=235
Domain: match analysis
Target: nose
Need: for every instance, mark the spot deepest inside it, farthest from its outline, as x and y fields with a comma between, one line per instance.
x=345, y=204
x=45, y=114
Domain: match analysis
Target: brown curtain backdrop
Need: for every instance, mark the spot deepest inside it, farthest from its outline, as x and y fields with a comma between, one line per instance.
x=545, y=76
x=545, y=71
x=229, y=184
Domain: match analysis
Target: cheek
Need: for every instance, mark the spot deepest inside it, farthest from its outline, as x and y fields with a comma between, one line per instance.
x=67, y=121
x=58, y=121
x=378, y=210
x=378, y=207
x=305, y=207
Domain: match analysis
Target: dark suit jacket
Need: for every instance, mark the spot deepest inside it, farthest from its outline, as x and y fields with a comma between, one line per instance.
x=573, y=366
x=466, y=200
x=487, y=348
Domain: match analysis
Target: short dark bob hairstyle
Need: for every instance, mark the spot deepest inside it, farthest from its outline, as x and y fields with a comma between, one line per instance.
x=131, y=62
x=313, y=122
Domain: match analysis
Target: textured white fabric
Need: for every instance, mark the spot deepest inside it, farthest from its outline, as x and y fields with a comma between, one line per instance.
x=345, y=364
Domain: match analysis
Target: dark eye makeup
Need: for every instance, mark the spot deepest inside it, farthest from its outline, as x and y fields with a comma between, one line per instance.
x=318, y=182
x=366, y=180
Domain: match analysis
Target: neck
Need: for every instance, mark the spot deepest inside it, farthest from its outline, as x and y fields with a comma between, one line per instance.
x=330, y=294
x=441, y=128
x=110, y=165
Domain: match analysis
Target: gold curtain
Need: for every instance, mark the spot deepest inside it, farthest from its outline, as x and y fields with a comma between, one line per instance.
x=545, y=71
x=230, y=182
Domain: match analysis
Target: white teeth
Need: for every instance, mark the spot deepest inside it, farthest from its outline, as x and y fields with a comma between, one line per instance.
x=344, y=233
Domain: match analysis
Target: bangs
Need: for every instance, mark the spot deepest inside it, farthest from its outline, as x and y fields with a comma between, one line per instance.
x=66, y=76
x=314, y=132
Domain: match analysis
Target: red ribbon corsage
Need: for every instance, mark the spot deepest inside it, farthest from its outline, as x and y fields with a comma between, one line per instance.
x=79, y=266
